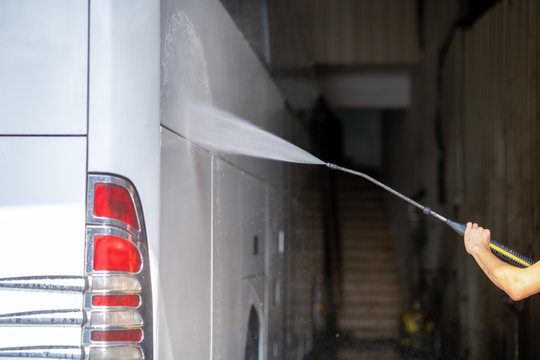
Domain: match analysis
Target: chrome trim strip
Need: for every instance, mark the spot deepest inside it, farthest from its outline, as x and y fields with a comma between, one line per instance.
x=98, y=351
x=67, y=317
x=68, y=284
x=115, y=279
x=43, y=352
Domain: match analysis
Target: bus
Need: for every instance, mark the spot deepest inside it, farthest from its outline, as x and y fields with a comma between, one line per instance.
x=120, y=238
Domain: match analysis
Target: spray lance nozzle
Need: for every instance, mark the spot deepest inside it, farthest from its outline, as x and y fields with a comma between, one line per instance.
x=505, y=253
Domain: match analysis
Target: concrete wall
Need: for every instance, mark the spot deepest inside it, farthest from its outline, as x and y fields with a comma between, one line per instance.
x=345, y=32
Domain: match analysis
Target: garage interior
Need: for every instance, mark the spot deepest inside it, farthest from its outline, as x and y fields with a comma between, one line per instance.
x=438, y=99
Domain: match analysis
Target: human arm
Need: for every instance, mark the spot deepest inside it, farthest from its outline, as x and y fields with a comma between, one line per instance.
x=516, y=282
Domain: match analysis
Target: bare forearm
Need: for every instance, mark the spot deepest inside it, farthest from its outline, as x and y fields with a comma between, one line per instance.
x=495, y=269
x=516, y=282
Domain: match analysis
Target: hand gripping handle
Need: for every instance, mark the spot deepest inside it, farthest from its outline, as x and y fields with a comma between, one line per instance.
x=502, y=251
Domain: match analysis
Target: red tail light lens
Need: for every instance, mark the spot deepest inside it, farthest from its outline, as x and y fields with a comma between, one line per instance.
x=114, y=201
x=116, y=300
x=112, y=253
x=117, y=335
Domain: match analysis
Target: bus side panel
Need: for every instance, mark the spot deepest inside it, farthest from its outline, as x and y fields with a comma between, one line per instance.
x=43, y=66
x=123, y=128
x=239, y=280
x=42, y=229
x=209, y=61
x=185, y=250
x=275, y=272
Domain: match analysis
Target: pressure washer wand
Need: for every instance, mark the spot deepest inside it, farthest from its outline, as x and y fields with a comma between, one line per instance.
x=505, y=253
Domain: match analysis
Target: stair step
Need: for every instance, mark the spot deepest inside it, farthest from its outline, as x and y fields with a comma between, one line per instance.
x=371, y=277
x=374, y=334
x=374, y=354
x=375, y=314
x=355, y=240
x=356, y=294
x=367, y=301
x=371, y=285
x=359, y=251
x=365, y=249
x=368, y=256
x=359, y=197
x=371, y=312
x=362, y=207
x=367, y=266
x=360, y=291
x=367, y=222
x=382, y=324
x=352, y=245
x=367, y=234
x=357, y=266
x=369, y=289
x=376, y=203
x=367, y=242
x=378, y=287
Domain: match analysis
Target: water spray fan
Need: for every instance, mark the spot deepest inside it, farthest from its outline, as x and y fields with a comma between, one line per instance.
x=503, y=252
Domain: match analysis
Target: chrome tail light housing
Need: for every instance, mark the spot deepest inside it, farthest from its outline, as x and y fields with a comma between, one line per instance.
x=118, y=297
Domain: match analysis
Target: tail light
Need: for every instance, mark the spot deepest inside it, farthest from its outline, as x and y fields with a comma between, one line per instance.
x=118, y=302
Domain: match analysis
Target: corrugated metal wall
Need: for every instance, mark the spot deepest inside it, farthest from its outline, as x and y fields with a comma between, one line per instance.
x=488, y=119
x=485, y=109
x=360, y=31
x=500, y=163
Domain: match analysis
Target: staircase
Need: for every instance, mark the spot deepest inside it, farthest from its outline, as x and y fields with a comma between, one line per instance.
x=372, y=297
